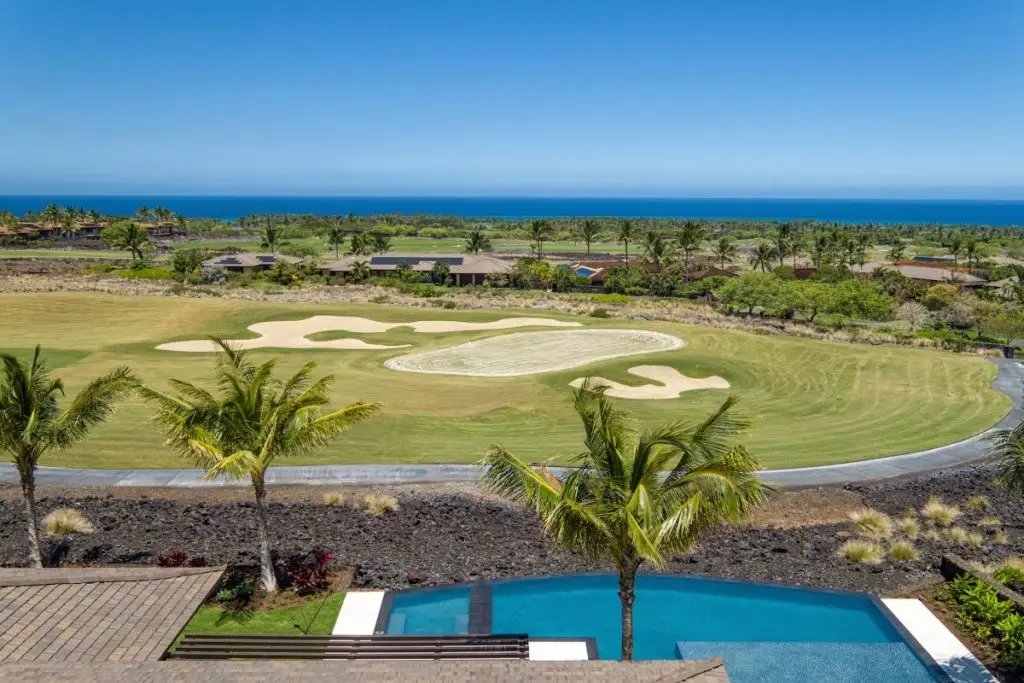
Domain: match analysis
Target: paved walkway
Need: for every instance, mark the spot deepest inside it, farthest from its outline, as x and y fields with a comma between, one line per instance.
x=1010, y=381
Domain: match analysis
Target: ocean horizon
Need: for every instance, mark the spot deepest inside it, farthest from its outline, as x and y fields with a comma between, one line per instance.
x=1001, y=213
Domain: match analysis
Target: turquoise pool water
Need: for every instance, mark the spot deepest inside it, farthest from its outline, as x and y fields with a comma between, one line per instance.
x=765, y=632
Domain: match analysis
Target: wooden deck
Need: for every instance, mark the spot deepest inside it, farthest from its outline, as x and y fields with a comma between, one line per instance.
x=97, y=615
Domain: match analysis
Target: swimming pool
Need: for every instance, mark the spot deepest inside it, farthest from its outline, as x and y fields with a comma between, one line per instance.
x=765, y=632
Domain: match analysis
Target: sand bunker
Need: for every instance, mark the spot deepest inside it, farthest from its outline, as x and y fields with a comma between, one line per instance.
x=291, y=334
x=672, y=383
x=528, y=353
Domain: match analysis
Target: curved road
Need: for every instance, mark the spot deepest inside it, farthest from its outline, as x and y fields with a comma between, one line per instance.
x=1010, y=381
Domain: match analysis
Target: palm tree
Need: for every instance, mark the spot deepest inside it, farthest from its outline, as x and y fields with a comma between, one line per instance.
x=68, y=225
x=822, y=250
x=724, y=250
x=93, y=216
x=635, y=500
x=1008, y=452
x=336, y=238
x=797, y=246
x=32, y=424
x=379, y=243
x=540, y=231
x=762, y=257
x=129, y=236
x=956, y=247
x=689, y=239
x=589, y=231
x=271, y=237
x=181, y=223
x=476, y=242
x=781, y=246
x=657, y=249
x=162, y=215
x=971, y=249
x=361, y=271
x=51, y=216
x=626, y=234
x=143, y=214
x=897, y=251
x=252, y=420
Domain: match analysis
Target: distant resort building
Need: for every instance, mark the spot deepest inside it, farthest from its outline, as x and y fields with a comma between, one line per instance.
x=248, y=263
x=464, y=269
x=926, y=275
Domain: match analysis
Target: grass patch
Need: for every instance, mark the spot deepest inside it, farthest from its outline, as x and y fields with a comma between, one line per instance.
x=64, y=521
x=862, y=552
x=378, y=504
x=903, y=551
x=334, y=499
x=320, y=614
x=956, y=534
x=909, y=527
x=872, y=523
x=145, y=274
x=939, y=513
x=978, y=503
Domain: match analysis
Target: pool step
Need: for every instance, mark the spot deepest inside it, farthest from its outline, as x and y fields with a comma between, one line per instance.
x=756, y=662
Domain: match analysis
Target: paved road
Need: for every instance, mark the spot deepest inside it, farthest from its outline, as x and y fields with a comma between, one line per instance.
x=1010, y=381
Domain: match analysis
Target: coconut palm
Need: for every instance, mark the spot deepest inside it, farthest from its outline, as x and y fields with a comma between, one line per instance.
x=956, y=247
x=271, y=237
x=51, y=216
x=379, y=243
x=143, y=214
x=32, y=423
x=336, y=238
x=93, y=216
x=626, y=234
x=724, y=250
x=762, y=257
x=68, y=225
x=635, y=499
x=129, y=236
x=657, y=250
x=797, y=246
x=540, y=232
x=589, y=231
x=476, y=242
x=822, y=250
x=781, y=246
x=689, y=239
x=1007, y=450
x=897, y=250
x=181, y=223
x=251, y=421
x=361, y=271
x=971, y=249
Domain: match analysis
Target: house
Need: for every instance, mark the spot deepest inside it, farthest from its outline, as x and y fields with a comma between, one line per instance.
x=465, y=269
x=926, y=275
x=248, y=263
x=710, y=271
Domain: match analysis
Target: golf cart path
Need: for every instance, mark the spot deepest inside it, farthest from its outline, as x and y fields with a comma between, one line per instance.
x=1010, y=381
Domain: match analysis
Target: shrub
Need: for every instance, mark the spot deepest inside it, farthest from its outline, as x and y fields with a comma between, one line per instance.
x=610, y=298
x=909, y=527
x=66, y=521
x=866, y=552
x=872, y=523
x=931, y=535
x=309, y=572
x=145, y=274
x=334, y=499
x=903, y=551
x=989, y=521
x=978, y=503
x=600, y=313
x=172, y=558
x=975, y=540
x=938, y=512
x=377, y=504
x=956, y=534
x=1010, y=576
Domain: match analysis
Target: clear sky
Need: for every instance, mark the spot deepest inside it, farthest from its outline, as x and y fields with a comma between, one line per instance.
x=578, y=97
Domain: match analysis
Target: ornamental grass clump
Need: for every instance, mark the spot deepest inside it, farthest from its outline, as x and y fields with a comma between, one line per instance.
x=377, y=505
x=978, y=503
x=989, y=521
x=862, y=552
x=909, y=527
x=872, y=523
x=956, y=535
x=975, y=540
x=939, y=513
x=1000, y=538
x=334, y=499
x=66, y=521
x=903, y=551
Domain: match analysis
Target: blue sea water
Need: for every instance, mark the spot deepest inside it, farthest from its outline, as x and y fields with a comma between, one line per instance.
x=948, y=212
x=765, y=632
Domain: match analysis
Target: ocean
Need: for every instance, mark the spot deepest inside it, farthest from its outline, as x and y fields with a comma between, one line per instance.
x=878, y=211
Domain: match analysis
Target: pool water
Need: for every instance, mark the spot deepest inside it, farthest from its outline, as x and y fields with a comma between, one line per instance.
x=765, y=632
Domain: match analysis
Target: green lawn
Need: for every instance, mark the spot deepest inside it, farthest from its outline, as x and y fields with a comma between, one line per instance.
x=811, y=402
x=62, y=253
x=323, y=613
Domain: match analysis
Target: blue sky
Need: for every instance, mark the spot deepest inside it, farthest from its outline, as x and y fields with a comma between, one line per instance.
x=580, y=97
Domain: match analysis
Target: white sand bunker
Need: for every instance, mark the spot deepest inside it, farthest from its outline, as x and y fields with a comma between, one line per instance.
x=528, y=353
x=291, y=334
x=672, y=383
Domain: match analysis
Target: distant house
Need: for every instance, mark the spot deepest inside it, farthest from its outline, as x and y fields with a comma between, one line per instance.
x=465, y=269
x=926, y=275
x=709, y=272
x=248, y=263
x=593, y=272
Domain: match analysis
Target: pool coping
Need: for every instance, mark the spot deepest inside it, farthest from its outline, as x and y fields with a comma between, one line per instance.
x=481, y=606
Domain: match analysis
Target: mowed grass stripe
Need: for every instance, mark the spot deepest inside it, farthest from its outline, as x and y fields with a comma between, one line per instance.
x=811, y=402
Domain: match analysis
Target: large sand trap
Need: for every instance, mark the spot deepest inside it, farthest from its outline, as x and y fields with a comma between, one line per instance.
x=672, y=383
x=528, y=353
x=291, y=334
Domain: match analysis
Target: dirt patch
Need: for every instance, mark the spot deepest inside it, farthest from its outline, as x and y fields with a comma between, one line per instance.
x=809, y=507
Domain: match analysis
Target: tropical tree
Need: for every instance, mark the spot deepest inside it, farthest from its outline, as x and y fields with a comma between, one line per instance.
x=589, y=231
x=143, y=214
x=724, y=250
x=762, y=257
x=626, y=234
x=635, y=499
x=51, y=216
x=249, y=422
x=361, y=271
x=32, y=423
x=380, y=242
x=897, y=250
x=162, y=215
x=971, y=249
x=476, y=242
x=93, y=216
x=797, y=246
x=540, y=231
x=822, y=250
x=956, y=247
x=181, y=223
x=657, y=250
x=271, y=237
x=68, y=224
x=336, y=238
x=689, y=239
x=127, y=235
x=781, y=246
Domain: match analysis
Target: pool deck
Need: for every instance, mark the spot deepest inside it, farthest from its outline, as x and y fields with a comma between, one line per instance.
x=944, y=647
x=1010, y=381
x=358, y=615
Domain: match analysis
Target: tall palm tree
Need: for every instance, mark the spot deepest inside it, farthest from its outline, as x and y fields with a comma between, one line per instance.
x=626, y=234
x=476, y=242
x=724, y=250
x=781, y=245
x=589, y=231
x=635, y=499
x=336, y=238
x=68, y=224
x=689, y=239
x=822, y=250
x=251, y=421
x=797, y=246
x=956, y=247
x=143, y=214
x=32, y=423
x=129, y=236
x=971, y=249
x=271, y=237
x=51, y=216
x=540, y=231
x=380, y=243
x=657, y=249
x=1008, y=452
x=361, y=271
x=897, y=250
x=762, y=257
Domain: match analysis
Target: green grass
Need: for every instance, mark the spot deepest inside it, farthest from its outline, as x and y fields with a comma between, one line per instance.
x=811, y=402
x=210, y=619
x=63, y=253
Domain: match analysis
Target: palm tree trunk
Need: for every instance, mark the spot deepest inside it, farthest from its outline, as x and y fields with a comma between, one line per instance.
x=28, y=492
x=268, y=580
x=627, y=595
